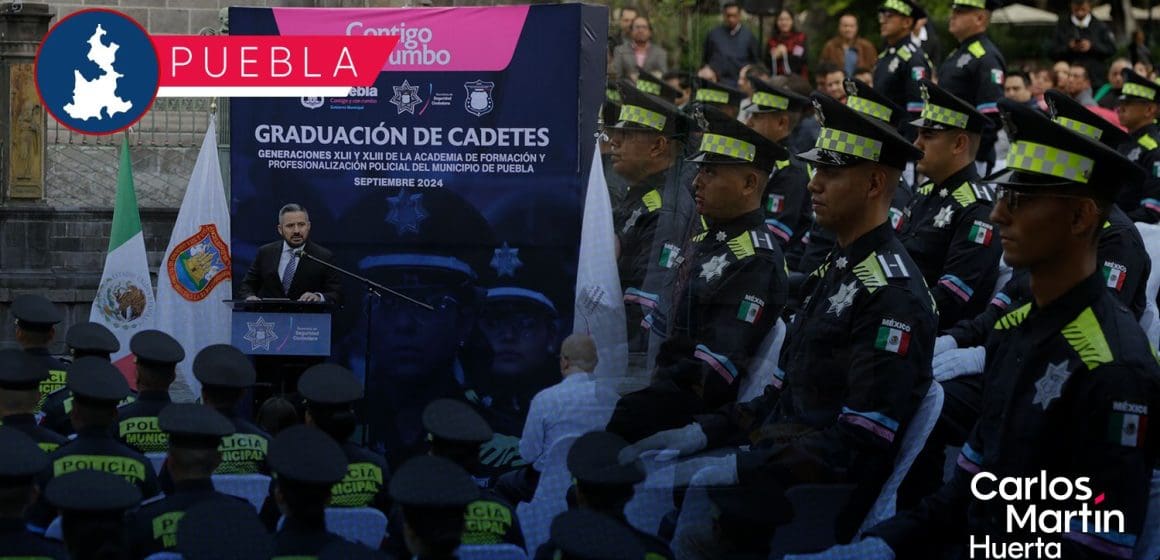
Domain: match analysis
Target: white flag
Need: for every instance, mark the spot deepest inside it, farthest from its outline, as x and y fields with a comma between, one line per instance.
x=124, y=301
x=599, y=301
x=195, y=274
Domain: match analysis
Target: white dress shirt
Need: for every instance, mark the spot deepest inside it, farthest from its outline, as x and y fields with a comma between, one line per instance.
x=576, y=405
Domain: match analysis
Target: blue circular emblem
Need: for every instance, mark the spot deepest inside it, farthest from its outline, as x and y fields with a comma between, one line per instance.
x=97, y=72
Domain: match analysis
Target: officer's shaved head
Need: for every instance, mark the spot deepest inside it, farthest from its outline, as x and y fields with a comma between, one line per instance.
x=579, y=350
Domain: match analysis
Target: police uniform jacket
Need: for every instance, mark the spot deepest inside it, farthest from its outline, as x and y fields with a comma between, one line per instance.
x=48, y=440
x=487, y=520
x=301, y=540
x=137, y=422
x=787, y=202
x=16, y=543
x=636, y=224
x=56, y=373
x=365, y=483
x=1068, y=390
x=950, y=236
x=974, y=72
x=897, y=73
x=153, y=528
x=58, y=406
x=1142, y=201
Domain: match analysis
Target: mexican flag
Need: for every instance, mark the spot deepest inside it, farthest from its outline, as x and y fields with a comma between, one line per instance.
x=124, y=301
x=749, y=311
x=892, y=340
x=669, y=255
x=981, y=233
x=1127, y=429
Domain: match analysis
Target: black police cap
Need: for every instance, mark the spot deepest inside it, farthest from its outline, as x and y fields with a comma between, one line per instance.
x=91, y=338
x=869, y=101
x=194, y=425
x=610, y=112
x=1068, y=113
x=642, y=111
x=223, y=528
x=307, y=455
x=156, y=347
x=655, y=86
x=714, y=93
x=22, y=459
x=762, y=504
x=594, y=459
x=456, y=422
x=433, y=482
x=329, y=384
x=583, y=534
x=727, y=140
x=19, y=371
x=222, y=365
x=93, y=379
x=976, y=4
x=35, y=313
x=768, y=98
x=942, y=110
x=849, y=138
x=1137, y=87
x=906, y=8
x=1046, y=154
x=91, y=491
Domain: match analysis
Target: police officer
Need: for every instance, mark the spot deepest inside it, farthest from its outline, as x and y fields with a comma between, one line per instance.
x=948, y=233
x=223, y=530
x=307, y=463
x=91, y=339
x=92, y=504
x=731, y=283
x=829, y=414
x=974, y=71
x=36, y=320
x=194, y=434
x=653, y=85
x=20, y=462
x=1137, y=112
x=433, y=494
x=718, y=96
x=1070, y=372
x=225, y=374
x=20, y=375
x=96, y=387
x=157, y=355
x=774, y=113
x=901, y=62
x=82, y=339
x=583, y=534
x=602, y=484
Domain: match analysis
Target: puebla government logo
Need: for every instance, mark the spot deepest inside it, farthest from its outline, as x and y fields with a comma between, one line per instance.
x=97, y=72
x=198, y=264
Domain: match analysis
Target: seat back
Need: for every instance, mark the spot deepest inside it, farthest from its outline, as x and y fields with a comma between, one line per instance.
x=157, y=458
x=251, y=487
x=503, y=551
x=1148, y=546
x=1150, y=320
x=765, y=361
x=364, y=525
x=550, y=497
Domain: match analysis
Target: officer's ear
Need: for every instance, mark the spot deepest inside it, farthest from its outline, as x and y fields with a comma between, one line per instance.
x=1085, y=217
x=660, y=147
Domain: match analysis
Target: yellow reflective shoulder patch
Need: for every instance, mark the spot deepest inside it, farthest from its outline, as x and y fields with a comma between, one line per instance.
x=965, y=195
x=742, y=246
x=1148, y=142
x=926, y=188
x=1087, y=339
x=904, y=53
x=870, y=273
x=652, y=200
x=976, y=49
x=1013, y=317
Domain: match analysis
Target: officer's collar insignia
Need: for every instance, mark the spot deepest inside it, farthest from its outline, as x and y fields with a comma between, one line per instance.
x=851, y=89
x=818, y=113
x=699, y=116
x=721, y=236
x=841, y=263
x=843, y=299
x=1050, y=386
x=406, y=212
x=506, y=260
x=925, y=93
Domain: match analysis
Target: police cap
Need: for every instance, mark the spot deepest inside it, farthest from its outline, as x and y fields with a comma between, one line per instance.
x=1138, y=88
x=22, y=458
x=222, y=365
x=642, y=111
x=713, y=93
x=941, y=110
x=433, y=482
x=594, y=459
x=849, y=138
x=906, y=8
x=329, y=385
x=194, y=425
x=455, y=422
x=96, y=380
x=583, y=534
x=307, y=455
x=19, y=371
x=976, y=4
x=223, y=528
x=768, y=98
x=869, y=101
x=35, y=313
x=1068, y=113
x=156, y=347
x=727, y=140
x=89, y=338
x=91, y=491
x=655, y=86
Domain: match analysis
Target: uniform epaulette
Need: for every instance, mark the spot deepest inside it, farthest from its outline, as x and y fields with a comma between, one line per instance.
x=760, y=240
x=1013, y=318
x=742, y=246
x=926, y=188
x=783, y=163
x=1148, y=142
x=904, y=52
x=969, y=193
x=876, y=270
x=977, y=49
x=1087, y=339
x=48, y=447
x=652, y=200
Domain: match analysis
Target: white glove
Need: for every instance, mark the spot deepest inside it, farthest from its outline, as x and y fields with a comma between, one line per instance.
x=944, y=343
x=958, y=362
x=686, y=441
x=872, y=548
x=715, y=471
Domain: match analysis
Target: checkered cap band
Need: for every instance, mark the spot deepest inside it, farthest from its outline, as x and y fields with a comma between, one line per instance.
x=1137, y=90
x=1085, y=129
x=770, y=100
x=612, y=95
x=648, y=87
x=865, y=106
x=938, y=114
x=640, y=115
x=896, y=5
x=1038, y=158
x=851, y=144
x=728, y=146
x=713, y=96
x=980, y=4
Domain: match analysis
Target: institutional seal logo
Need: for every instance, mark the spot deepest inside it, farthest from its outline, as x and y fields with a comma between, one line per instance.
x=123, y=300
x=198, y=264
x=97, y=72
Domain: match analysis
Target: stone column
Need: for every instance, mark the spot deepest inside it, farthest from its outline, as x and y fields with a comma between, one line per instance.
x=22, y=117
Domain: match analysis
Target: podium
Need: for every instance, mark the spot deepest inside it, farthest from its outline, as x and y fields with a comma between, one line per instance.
x=284, y=336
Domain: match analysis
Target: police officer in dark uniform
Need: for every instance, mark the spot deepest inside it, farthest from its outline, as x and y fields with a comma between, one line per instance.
x=157, y=355
x=901, y=61
x=604, y=485
x=194, y=433
x=91, y=339
x=718, y=96
x=653, y=85
x=20, y=462
x=974, y=72
x=96, y=387
x=1139, y=106
x=583, y=534
x=20, y=375
x=731, y=283
x=1070, y=376
x=225, y=374
x=307, y=463
x=92, y=505
x=433, y=494
x=223, y=530
x=82, y=339
x=948, y=232
x=830, y=415
x=36, y=320
x=774, y=114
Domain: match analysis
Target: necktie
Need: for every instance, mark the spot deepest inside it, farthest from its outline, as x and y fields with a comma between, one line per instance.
x=288, y=272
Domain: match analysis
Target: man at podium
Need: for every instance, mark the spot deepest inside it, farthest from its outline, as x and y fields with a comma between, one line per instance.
x=280, y=269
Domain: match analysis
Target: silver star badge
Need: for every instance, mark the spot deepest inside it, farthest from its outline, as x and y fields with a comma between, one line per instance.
x=714, y=268
x=943, y=217
x=721, y=236
x=840, y=262
x=1050, y=386
x=260, y=334
x=843, y=299
x=943, y=193
x=628, y=224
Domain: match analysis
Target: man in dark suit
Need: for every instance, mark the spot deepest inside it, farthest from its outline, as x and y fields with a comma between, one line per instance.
x=280, y=272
